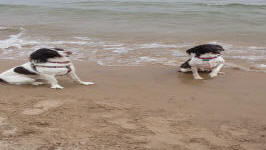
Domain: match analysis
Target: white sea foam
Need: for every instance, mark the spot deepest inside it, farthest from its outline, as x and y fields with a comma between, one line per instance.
x=157, y=45
x=109, y=53
x=250, y=57
x=261, y=66
x=82, y=38
x=178, y=53
x=119, y=50
x=113, y=45
x=147, y=59
x=13, y=40
x=3, y=28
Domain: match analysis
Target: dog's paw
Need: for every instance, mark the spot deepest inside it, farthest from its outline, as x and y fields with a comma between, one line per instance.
x=37, y=83
x=57, y=87
x=212, y=75
x=198, y=78
x=87, y=83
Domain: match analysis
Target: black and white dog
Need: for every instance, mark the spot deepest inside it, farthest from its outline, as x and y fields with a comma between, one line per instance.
x=44, y=65
x=204, y=58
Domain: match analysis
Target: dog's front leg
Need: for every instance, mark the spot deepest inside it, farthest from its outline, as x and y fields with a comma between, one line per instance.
x=52, y=81
x=74, y=76
x=195, y=73
x=216, y=70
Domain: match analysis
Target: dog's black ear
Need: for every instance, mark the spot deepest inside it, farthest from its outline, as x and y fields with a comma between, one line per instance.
x=194, y=50
x=43, y=54
x=216, y=49
x=219, y=48
x=189, y=51
x=185, y=65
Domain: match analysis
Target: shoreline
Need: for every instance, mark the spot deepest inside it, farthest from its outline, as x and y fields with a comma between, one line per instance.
x=109, y=51
x=147, y=107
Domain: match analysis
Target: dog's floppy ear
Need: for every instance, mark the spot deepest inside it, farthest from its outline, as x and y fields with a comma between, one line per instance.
x=219, y=48
x=212, y=48
x=189, y=51
x=195, y=50
x=43, y=54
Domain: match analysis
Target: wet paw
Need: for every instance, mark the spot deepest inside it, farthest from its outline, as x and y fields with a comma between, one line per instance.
x=57, y=87
x=212, y=75
x=87, y=83
x=198, y=78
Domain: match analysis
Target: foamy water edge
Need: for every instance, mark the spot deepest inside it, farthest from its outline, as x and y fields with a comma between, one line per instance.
x=108, y=53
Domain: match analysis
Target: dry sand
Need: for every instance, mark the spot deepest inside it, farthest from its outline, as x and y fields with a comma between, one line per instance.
x=149, y=107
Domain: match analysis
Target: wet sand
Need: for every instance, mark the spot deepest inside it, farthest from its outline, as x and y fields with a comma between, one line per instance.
x=150, y=107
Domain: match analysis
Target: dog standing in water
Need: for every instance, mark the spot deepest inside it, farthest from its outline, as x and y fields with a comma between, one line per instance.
x=206, y=58
x=44, y=65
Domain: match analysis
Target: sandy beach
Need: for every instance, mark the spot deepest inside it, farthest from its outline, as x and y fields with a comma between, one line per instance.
x=149, y=107
x=131, y=50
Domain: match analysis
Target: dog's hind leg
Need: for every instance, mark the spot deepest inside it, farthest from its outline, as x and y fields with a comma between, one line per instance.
x=216, y=70
x=52, y=81
x=18, y=80
x=195, y=73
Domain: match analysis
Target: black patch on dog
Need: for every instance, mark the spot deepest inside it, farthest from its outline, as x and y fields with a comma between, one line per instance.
x=22, y=70
x=43, y=54
x=3, y=81
x=186, y=65
x=205, y=48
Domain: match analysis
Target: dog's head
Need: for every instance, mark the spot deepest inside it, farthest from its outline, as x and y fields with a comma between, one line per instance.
x=205, y=48
x=42, y=55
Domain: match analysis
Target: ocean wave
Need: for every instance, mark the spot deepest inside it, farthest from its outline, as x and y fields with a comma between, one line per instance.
x=82, y=38
x=227, y=4
x=13, y=40
x=108, y=53
x=249, y=57
x=262, y=66
x=3, y=28
x=118, y=50
x=14, y=6
x=156, y=45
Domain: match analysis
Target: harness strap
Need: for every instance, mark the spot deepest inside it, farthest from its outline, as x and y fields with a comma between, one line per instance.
x=52, y=66
x=207, y=58
x=67, y=67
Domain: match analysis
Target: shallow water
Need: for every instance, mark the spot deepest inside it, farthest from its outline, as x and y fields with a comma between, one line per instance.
x=133, y=32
